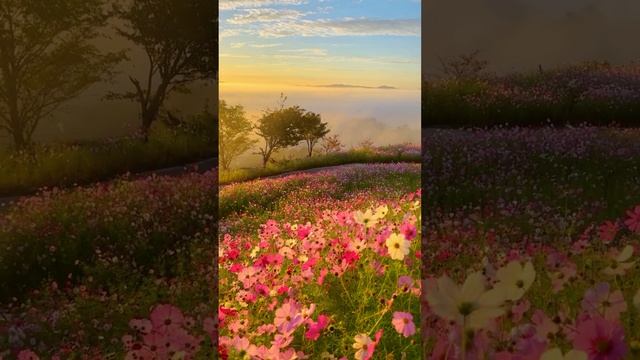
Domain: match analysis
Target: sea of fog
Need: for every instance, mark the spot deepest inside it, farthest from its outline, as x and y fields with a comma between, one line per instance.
x=384, y=116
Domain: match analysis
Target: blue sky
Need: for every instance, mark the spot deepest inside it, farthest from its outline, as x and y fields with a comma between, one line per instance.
x=371, y=42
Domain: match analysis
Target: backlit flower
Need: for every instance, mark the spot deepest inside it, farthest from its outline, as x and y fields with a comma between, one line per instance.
x=515, y=279
x=470, y=305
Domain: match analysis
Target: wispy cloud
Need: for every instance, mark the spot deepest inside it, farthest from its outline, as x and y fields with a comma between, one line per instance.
x=350, y=86
x=344, y=27
x=250, y=16
x=306, y=52
x=247, y=4
x=263, y=46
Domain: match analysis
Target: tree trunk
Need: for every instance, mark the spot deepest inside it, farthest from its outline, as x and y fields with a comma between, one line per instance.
x=19, y=141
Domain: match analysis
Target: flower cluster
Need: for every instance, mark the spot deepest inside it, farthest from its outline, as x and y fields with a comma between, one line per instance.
x=341, y=279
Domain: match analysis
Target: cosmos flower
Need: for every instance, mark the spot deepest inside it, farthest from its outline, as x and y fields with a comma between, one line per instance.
x=620, y=262
x=403, y=323
x=367, y=218
x=397, y=246
x=599, y=300
x=470, y=305
x=362, y=346
x=633, y=220
x=601, y=339
x=515, y=279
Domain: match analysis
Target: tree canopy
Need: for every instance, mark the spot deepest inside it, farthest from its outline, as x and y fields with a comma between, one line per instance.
x=180, y=40
x=47, y=59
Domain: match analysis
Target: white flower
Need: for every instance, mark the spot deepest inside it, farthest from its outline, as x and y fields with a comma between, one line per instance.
x=397, y=246
x=362, y=344
x=367, y=218
x=515, y=279
x=620, y=262
x=470, y=305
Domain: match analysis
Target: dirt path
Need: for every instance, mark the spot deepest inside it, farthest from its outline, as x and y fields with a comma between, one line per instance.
x=201, y=166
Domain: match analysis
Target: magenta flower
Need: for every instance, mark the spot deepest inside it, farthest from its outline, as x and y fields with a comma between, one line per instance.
x=633, y=220
x=27, y=355
x=315, y=328
x=403, y=323
x=608, y=231
x=600, y=339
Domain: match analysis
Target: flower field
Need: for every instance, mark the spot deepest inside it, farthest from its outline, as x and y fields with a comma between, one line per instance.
x=594, y=93
x=324, y=266
x=531, y=244
x=94, y=262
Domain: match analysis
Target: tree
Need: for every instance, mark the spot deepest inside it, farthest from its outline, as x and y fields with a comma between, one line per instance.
x=464, y=67
x=279, y=129
x=234, y=133
x=311, y=130
x=180, y=40
x=332, y=144
x=46, y=59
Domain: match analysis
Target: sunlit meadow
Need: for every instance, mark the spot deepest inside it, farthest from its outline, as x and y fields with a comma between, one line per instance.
x=322, y=265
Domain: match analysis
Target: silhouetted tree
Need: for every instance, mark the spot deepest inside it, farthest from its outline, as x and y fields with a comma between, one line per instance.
x=464, y=67
x=235, y=129
x=181, y=44
x=46, y=59
x=279, y=129
x=311, y=130
x=331, y=144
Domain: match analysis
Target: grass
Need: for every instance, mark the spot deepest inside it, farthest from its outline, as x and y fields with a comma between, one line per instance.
x=317, y=161
x=65, y=165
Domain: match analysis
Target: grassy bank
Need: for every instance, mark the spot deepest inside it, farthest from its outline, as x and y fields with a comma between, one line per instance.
x=63, y=165
x=596, y=94
x=375, y=155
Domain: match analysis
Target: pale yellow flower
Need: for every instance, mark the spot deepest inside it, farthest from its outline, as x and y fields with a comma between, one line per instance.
x=362, y=345
x=381, y=212
x=470, y=305
x=397, y=246
x=556, y=354
x=367, y=218
x=620, y=262
x=515, y=279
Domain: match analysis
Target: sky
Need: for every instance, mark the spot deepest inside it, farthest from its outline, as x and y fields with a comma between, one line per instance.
x=516, y=35
x=356, y=62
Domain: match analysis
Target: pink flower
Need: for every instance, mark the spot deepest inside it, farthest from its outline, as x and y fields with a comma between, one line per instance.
x=608, y=231
x=408, y=230
x=633, y=220
x=142, y=326
x=405, y=283
x=315, y=328
x=600, y=339
x=518, y=310
x=164, y=317
x=27, y=355
x=403, y=323
x=544, y=325
x=598, y=300
x=288, y=317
